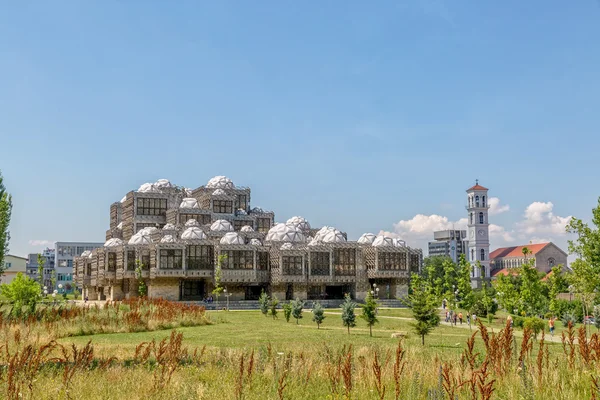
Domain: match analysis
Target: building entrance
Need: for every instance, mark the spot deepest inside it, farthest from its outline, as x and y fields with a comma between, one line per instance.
x=192, y=290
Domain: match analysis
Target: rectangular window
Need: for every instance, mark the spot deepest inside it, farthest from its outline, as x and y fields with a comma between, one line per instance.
x=146, y=261
x=238, y=259
x=392, y=261
x=223, y=206
x=415, y=262
x=262, y=258
x=171, y=259
x=319, y=263
x=241, y=202
x=154, y=207
x=8, y=265
x=202, y=219
x=200, y=257
x=291, y=265
x=70, y=263
x=344, y=261
x=112, y=262
x=239, y=223
x=130, y=260
x=263, y=224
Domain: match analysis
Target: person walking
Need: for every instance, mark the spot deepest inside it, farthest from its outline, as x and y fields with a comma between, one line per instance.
x=468, y=318
x=551, y=325
x=455, y=318
x=460, y=317
x=447, y=316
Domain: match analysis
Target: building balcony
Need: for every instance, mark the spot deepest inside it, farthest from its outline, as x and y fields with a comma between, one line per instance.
x=388, y=273
x=166, y=273
x=241, y=275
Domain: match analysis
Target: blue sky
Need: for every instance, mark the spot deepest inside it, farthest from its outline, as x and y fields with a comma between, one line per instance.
x=346, y=113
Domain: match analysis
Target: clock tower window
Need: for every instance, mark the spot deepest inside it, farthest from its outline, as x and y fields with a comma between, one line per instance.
x=482, y=255
x=472, y=254
x=481, y=218
x=476, y=201
x=471, y=218
x=483, y=201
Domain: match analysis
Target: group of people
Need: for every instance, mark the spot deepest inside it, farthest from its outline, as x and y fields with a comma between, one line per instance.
x=208, y=299
x=454, y=317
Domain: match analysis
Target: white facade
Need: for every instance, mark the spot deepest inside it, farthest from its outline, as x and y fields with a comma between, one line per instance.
x=478, y=231
x=64, y=253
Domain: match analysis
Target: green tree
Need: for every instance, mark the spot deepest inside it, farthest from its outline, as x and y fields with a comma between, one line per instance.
x=5, y=213
x=318, y=314
x=263, y=302
x=297, y=306
x=22, y=291
x=273, y=307
x=287, y=311
x=584, y=281
x=465, y=291
x=596, y=315
x=424, y=308
x=142, y=288
x=434, y=272
x=348, y=315
x=507, y=292
x=369, y=312
x=557, y=283
x=52, y=279
x=218, y=289
x=41, y=261
x=531, y=286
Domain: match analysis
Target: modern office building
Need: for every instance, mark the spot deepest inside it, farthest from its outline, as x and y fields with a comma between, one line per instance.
x=478, y=232
x=64, y=254
x=448, y=243
x=545, y=255
x=48, y=256
x=12, y=266
x=176, y=239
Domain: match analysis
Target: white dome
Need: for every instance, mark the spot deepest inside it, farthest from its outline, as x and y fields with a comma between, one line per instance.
x=384, y=241
x=193, y=233
x=169, y=227
x=140, y=238
x=188, y=192
x=150, y=230
x=257, y=210
x=219, y=192
x=333, y=236
x=86, y=253
x=167, y=239
x=255, y=242
x=120, y=226
x=148, y=188
x=163, y=184
x=399, y=243
x=322, y=232
x=114, y=242
x=367, y=238
x=247, y=228
x=241, y=211
x=192, y=222
x=123, y=199
x=221, y=225
x=91, y=255
x=221, y=182
x=232, y=238
x=314, y=242
x=287, y=246
x=299, y=222
x=285, y=233
x=189, y=202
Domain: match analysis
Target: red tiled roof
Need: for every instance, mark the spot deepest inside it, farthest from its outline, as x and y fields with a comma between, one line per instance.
x=516, y=251
x=506, y=272
x=477, y=187
x=545, y=278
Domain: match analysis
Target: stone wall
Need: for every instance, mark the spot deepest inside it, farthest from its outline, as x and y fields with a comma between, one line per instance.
x=164, y=288
x=550, y=251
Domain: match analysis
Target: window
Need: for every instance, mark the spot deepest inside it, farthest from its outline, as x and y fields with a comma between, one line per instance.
x=415, y=263
x=476, y=201
x=8, y=265
x=200, y=257
x=223, y=206
x=171, y=259
x=239, y=223
x=202, y=219
x=551, y=262
x=483, y=201
x=481, y=218
x=112, y=262
x=482, y=258
x=471, y=215
x=146, y=261
x=391, y=261
x=319, y=263
x=130, y=260
x=263, y=224
x=472, y=254
x=344, y=261
x=70, y=263
x=151, y=206
x=238, y=259
x=262, y=258
x=241, y=202
x=291, y=265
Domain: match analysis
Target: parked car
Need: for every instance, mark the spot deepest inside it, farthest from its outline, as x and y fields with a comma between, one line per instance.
x=590, y=320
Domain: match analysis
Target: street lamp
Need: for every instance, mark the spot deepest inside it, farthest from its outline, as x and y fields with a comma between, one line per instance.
x=226, y=298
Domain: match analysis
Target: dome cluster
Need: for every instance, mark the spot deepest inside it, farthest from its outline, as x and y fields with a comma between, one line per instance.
x=189, y=202
x=114, y=242
x=387, y=241
x=220, y=182
x=300, y=223
x=232, y=238
x=144, y=236
x=193, y=233
x=285, y=233
x=367, y=238
x=156, y=187
x=221, y=225
x=328, y=234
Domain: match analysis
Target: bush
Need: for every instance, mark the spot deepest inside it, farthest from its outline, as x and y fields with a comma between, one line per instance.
x=535, y=324
x=287, y=311
x=518, y=322
x=568, y=317
x=263, y=302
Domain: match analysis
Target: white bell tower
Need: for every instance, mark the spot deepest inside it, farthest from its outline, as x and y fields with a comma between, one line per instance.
x=478, y=232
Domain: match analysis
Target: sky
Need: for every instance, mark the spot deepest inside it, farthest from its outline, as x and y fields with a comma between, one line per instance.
x=366, y=116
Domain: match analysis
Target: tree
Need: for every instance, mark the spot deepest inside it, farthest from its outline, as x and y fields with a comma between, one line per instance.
x=287, y=311
x=434, y=272
x=5, y=213
x=507, y=292
x=22, y=291
x=52, y=279
x=318, y=314
x=596, y=315
x=465, y=291
x=142, y=288
x=369, y=312
x=41, y=261
x=584, y=281
x=218, y=273
x=531, y=286
x=297, y=306
x=424, y=308
x=273, y=307
x=557, y=283
x=263, y=302
x=348, y=315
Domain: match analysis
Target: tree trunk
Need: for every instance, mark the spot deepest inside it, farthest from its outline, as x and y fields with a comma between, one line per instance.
x=348, y=329
x=423, y=340
x=370, y=330
x=318, y=326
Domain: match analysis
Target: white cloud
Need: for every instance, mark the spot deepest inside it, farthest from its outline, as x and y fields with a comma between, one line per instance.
x=498, y=232
x=495, y=207
x=419, y=230
x=40, y=243
x=540, y=220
